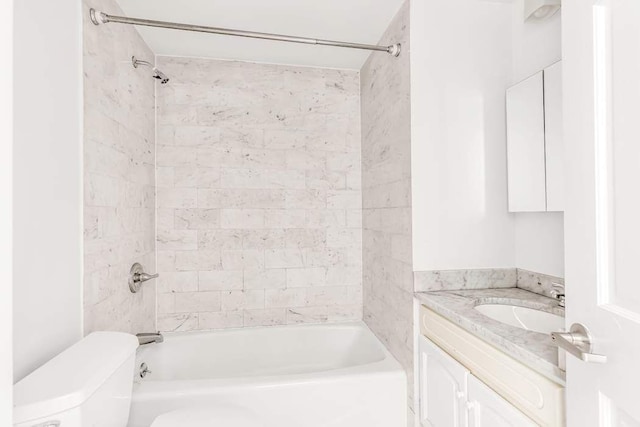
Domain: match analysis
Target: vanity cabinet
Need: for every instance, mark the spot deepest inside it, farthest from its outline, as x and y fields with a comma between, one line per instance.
x=535, y=152
x=465, y=381
x=450, y=396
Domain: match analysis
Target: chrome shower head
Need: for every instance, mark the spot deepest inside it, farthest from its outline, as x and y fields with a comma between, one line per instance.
x=157, y=74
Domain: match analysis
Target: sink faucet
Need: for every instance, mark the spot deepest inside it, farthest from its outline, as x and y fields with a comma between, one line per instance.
x=149, y=337
x=558, y=293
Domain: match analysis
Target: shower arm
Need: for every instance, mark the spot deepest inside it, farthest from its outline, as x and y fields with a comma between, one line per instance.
x=98, y=18
x=135, y=62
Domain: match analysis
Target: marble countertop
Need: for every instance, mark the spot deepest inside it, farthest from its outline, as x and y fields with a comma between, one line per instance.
x=534, y=349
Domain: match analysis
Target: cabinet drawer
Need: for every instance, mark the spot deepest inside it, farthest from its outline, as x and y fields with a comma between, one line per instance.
x=537, y=396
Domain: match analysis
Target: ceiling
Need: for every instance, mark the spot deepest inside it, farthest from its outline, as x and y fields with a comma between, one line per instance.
x=360, y=21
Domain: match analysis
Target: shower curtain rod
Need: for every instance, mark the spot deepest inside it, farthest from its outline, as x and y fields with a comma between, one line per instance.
x=98, y=18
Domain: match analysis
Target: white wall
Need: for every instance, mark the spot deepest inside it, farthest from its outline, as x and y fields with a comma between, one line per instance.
x=539, y=244
x=6, y=170
x=460, y=66
x=464, y=55
x=535, y=45
x=46, y=181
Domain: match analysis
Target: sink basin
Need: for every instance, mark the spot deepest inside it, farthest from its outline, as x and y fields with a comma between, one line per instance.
x=523, y=318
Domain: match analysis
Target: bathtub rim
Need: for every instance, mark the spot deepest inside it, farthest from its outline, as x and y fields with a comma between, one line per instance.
x=387, y=366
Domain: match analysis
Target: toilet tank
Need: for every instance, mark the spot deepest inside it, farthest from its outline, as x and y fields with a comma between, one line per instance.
x=87, y=385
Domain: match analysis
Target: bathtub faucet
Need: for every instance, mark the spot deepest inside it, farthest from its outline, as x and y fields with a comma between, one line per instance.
x=149, y=337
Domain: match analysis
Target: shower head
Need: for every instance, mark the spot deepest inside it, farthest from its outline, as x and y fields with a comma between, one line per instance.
x=157, y=74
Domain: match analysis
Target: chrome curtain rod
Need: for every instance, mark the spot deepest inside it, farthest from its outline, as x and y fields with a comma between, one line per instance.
x=98, y=18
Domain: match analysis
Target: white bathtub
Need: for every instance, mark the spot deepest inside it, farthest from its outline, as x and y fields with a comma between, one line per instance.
x=292, y=376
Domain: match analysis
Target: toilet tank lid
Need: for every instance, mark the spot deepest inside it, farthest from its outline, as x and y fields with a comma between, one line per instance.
x=70, y=378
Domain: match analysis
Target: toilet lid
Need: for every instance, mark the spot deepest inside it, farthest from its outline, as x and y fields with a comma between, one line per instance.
x=212, y=416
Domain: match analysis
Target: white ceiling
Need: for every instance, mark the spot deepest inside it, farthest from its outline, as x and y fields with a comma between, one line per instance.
x=360, y=21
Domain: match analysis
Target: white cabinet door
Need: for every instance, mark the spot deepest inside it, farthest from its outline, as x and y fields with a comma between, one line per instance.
x=525, y=147
x=488, y=409
x=442, y=388
x=553, y=129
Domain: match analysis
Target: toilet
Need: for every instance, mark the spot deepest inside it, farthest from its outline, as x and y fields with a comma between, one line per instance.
x=90, y=385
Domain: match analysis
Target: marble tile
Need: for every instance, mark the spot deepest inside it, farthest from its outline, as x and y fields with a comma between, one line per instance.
x=178, y=240
x=306, y=277
x=216, y=238
x=198, y=260
x=178, y=322
x=264, y=239
x=283, y=298
x=305, y=238
x=195, y=219
x=243, y=299
x=283, y=258
x=184, y=281
x=119, y=161
x=285, y=218
x=243, y=260
x=220, y=320
x=385, y=209
x=537, y=282
x=439, y=280
x=266, y=317
x=344, y=237
x=242, y=218
x=220, y=280
x=187, y=302
x=177, y=198
x=298, y=315
x=265, y=279
x=256, y=197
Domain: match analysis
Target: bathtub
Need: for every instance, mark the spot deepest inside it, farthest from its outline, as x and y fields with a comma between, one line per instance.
x=336, y=375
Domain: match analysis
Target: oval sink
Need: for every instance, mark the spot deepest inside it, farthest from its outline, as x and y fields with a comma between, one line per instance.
x=523, y=318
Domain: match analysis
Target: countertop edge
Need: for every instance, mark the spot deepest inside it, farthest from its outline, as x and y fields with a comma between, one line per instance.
x=523, y=355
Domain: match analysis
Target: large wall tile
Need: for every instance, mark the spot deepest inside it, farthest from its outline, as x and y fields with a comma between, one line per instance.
x=386, y=196
x=119, y=180
x=259, y=203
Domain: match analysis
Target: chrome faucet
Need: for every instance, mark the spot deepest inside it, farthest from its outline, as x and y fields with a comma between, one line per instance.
x=137, y=277
x=149, y=338
x=558, y=293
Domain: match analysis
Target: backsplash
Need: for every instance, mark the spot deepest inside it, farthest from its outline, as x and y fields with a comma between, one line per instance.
x=259, y=200
x=537, y=282
x=445, y=280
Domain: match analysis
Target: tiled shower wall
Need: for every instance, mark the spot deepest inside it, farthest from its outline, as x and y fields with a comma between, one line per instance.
x=259, y=200
x=386, y=196
x=119, y=153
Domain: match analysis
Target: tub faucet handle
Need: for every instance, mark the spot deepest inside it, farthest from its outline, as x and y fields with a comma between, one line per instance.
x=143, y=277
x=138, y=277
